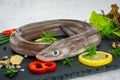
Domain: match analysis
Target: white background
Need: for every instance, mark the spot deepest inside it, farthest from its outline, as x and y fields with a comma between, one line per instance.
x=15, y=13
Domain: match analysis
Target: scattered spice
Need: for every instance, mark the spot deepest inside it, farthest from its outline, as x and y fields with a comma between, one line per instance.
x=25, y=56
x=14, y=60
x=18, y=66
x=12, y=65
x=4, y=57
x=22, y=69
x=115, y=44
x=4, y=62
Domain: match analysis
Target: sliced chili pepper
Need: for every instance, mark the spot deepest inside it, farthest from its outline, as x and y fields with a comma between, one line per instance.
x=8, y=32
x=42, y=67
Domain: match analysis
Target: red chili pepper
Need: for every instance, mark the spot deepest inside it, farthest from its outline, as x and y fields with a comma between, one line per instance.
x=42, y=67
x=8, y=32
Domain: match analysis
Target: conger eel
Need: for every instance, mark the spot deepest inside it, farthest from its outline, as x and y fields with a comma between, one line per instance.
x=84, y=34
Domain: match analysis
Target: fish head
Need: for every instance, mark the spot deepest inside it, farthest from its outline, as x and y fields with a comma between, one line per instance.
x=56, y=51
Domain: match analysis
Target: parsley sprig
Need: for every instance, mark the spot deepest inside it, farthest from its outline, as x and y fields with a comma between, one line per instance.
x=90, y=51
x=115, y=52
x=67, y=61
x=47, y=37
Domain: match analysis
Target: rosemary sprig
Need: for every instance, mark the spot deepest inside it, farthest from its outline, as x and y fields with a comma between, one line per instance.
x=90, y=51
x=67, y=61
x=10, y=72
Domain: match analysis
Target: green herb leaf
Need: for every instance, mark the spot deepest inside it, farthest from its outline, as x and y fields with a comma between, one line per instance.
x=10, y=72
x=4, y=39
x=67, y=61
x=115, y=52
x=116, y=31
x=103, y=24
x=91, y=52
x=47, y=37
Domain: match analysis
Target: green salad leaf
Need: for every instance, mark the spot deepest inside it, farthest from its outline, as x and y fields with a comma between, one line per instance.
x=100, y=22
x=104, y=25
x=117, y=31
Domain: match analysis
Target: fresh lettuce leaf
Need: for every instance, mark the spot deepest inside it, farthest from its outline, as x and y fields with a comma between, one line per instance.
x=100, y=22
x=103, y=24
x=117, y=31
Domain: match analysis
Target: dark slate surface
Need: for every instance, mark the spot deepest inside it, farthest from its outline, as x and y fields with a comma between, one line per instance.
x=63, y=72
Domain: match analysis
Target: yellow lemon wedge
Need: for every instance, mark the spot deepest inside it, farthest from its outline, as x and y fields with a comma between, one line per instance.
x=98, y=59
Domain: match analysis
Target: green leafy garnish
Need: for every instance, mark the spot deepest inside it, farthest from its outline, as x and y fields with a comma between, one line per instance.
x=108, y=25
x=115, y=52
x=90, y=51
x=67, y=61
x=10, y=72
x=114, y=15
x=47, y=37
x=117, y=31
x=103, y=24
x=4, y=39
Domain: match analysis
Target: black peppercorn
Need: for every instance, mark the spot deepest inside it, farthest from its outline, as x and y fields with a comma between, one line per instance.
x=4, y=47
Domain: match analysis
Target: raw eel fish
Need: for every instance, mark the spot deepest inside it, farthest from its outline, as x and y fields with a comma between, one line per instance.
x=80, y=34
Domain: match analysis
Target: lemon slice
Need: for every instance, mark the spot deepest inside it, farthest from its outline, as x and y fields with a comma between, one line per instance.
x=98, y=59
